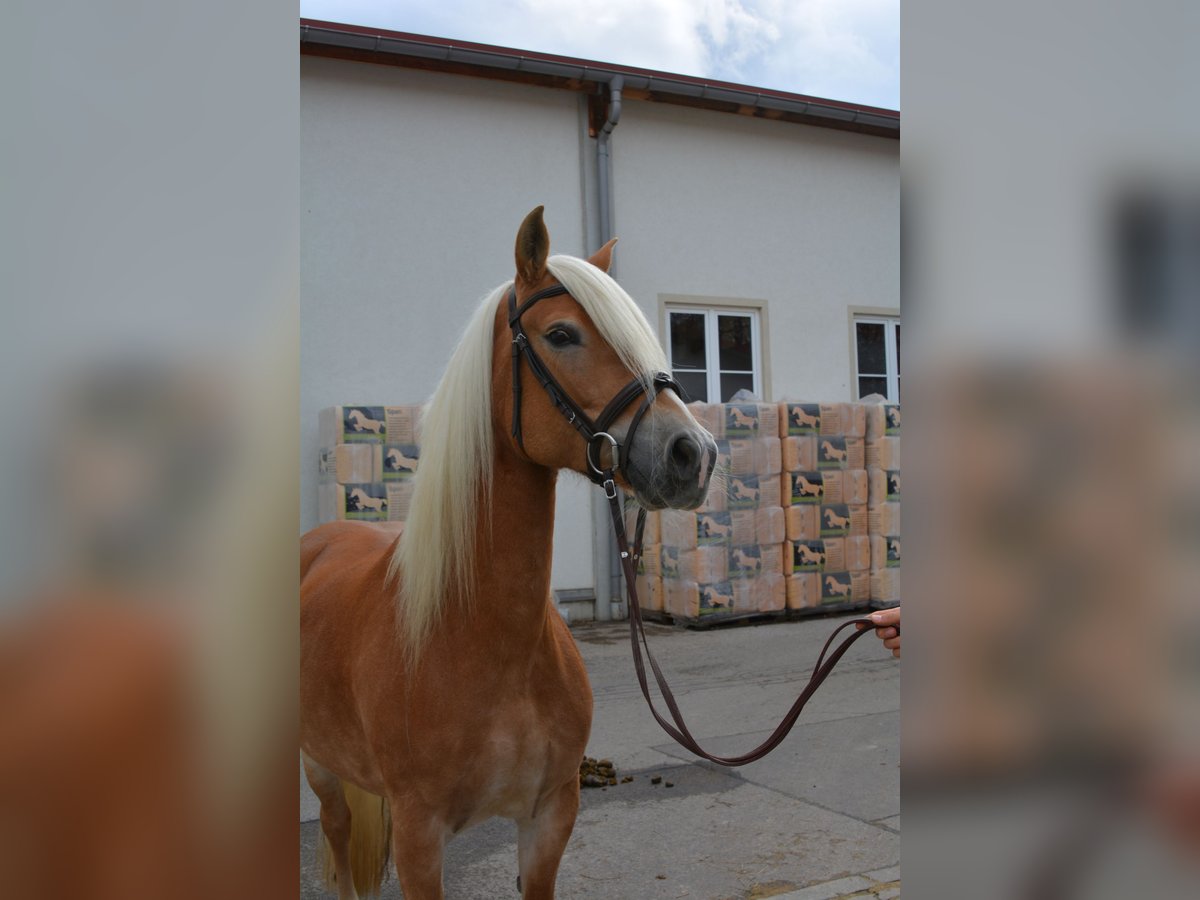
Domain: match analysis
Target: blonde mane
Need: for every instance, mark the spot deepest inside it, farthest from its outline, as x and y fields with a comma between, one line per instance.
x=436, y=554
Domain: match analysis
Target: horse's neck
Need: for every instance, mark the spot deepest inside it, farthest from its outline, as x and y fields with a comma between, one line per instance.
x=513, y=554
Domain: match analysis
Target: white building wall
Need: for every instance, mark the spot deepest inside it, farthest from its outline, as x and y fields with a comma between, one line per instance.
x=806, y=219
x=413, y=185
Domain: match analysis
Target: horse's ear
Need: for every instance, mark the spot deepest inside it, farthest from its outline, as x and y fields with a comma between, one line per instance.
x=602, y=258
x=533, y=246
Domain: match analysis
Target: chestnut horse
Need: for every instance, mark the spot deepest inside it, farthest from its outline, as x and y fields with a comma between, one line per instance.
x=439, y=687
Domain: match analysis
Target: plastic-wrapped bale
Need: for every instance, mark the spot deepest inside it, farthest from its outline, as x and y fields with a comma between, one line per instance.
x=361, y=502
x=750, y=420
x=882, y=420
x=650, y=593
x=852, y=554
x=350, y=464
x=849, y=486
x=811, y=521
x=883, y=453
x=815, y=590
x=368, y=424
x=840, y=452
x=883, y=486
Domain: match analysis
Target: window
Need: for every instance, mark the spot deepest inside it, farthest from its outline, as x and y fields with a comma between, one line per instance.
x=714, y=352
x=877, y=356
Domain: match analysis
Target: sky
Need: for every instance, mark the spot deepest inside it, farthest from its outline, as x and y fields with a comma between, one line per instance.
x=845, y=50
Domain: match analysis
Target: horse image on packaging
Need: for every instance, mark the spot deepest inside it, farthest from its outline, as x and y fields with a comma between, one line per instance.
x=835, y=587
x=806, y=555
x=833, y=453
x=399, y=462
x=358, y=419
x=439, y=687
x=714, y=598
x=803, y=421
x=803, y=488
x=834, y=520
x=743, y=561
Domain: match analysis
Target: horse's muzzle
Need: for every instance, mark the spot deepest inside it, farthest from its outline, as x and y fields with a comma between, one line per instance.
x=675, y=472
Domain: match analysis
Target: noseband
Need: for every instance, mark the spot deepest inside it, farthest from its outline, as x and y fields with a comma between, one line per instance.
x=595, y=433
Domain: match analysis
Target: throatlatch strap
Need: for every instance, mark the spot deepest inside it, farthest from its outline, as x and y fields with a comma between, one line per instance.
x=677, y=728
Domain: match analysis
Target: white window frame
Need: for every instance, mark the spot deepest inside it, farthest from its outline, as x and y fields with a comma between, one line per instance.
x=712, y=344
x=891, y=360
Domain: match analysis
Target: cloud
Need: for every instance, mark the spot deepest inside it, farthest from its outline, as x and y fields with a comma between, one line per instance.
x=839, y=49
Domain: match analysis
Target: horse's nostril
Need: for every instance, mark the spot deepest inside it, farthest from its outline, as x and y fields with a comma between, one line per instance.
x=685, y=454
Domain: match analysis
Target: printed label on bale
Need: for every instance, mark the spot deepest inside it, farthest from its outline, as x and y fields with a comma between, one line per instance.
x=831, y=453
x=835, y=520
x=403, y=423
x=363, y=423
x=836, y=587
x=745, y=560
x=366, y=502
x=893, y=484
x=400, y=461
x=712, y=528
x=670, y=562
x=743, y=491
x=893, y=552
x=891, y=412
x=803, y=418
x=716, y=598
x=806, y=487
x=741, y=419
x=808, y=556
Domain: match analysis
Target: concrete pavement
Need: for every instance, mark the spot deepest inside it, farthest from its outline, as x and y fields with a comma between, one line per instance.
x=818, y=818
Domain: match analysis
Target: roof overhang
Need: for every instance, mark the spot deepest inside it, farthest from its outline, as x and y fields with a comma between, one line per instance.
x=395, y=48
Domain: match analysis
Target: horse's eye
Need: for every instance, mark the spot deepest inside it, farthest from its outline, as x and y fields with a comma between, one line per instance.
x=561, y=337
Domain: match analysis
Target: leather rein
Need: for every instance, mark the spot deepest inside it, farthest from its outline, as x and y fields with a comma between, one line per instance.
x=596, y=438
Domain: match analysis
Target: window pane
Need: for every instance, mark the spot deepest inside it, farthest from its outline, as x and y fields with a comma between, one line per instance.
x=695, y=383
x=897, y=348
x=731, y=384
x=736, y=350
x=872, y=357
x=687, y=341
x=872, y=386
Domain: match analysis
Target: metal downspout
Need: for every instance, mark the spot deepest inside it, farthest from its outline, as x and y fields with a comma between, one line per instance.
x=607, y=572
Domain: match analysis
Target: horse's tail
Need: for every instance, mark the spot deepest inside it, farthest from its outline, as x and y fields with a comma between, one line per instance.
x=370, y=841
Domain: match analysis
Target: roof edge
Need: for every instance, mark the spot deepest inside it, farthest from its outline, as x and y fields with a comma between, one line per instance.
x=365, y=44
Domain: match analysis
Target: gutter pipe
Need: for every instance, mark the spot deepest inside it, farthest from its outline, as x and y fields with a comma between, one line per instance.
x=606, y=569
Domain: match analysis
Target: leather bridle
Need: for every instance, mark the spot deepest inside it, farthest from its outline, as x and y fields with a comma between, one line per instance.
x=596, y=436
x=595, y=433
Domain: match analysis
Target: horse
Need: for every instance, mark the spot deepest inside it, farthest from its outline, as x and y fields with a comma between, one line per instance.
x=893, y=415
x=711, y=528
x=439, y=687
x=832, y=452
x=360, y=421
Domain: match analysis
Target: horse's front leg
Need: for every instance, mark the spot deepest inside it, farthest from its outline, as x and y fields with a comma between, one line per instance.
x=418, y=847
x=542, y=839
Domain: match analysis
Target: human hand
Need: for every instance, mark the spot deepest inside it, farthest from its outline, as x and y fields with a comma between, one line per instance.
x=887, y=622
